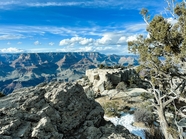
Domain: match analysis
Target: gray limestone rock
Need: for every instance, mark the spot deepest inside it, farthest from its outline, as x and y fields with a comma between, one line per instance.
x=52, y=111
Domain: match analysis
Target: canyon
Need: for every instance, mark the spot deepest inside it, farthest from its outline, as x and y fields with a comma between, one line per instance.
x=29, y=69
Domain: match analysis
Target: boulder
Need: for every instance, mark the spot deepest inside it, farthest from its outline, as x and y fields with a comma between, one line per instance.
x=53, y=111
x=118, y=132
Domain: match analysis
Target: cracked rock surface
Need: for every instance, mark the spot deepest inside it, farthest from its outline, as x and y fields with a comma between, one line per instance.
x=55, y=111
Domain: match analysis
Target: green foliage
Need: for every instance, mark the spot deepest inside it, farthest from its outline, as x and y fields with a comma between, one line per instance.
x=146, y=96
x=132, y=82
x=102, y=66
x=183, y=94
x=145, y=13
x=162, y=54
x=167, y=41
x=147, y=105
x=109, y=85
x=96, y=77
x=121, y=86
x=173, y=132
x=111, y=108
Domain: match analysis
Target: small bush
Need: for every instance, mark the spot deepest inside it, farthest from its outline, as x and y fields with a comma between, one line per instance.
x=108, y=85
x=132, y=83
x=121, y=86
x=111, y=108
x=96, y=77
x=173, y=132
x=101, y=66
x=146, y=96
x=154, y=133
x=142, y=115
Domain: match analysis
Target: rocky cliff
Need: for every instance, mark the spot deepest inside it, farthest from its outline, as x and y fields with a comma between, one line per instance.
x=107, y=79
x=55, y=111
x=30, y=69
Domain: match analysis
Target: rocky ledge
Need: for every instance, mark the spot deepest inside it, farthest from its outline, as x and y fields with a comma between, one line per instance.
x=55, y=111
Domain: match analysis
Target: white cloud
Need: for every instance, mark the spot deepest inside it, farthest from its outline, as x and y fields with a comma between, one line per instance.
x=172, y=20
x=11, y=37
x=19, y=43
x=18, y=32
x=132, y=38
x=76, y=41
x=11, y=50
x=37, y=43
x=100, y=38
x=112, y=39
x=8, y=3
x=108, y=43
x=136, y=27
x=86, y=41
x=51, y=43
x=102, y=49
x=86, y=49
x=106, y=39
x=4, y=4
x=46, y=4
x=137, y=4
x=122, y=40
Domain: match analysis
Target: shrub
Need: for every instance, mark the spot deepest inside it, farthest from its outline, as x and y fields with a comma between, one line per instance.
x=173, y=132
x=146, y=96
x=111, y=108
x=101, y=66
x=108, y=85
x=132, y=83
x=142, y=115
x=96, y=77
x=121, y=86
x=154, y=133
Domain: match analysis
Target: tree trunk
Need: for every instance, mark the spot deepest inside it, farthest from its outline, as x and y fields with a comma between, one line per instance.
x=163, y=123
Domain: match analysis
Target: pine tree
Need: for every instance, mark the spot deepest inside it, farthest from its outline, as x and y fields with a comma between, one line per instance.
x=163, y=55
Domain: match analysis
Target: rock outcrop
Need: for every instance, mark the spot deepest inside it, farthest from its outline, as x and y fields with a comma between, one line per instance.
x=106, y=79
x=55, y=111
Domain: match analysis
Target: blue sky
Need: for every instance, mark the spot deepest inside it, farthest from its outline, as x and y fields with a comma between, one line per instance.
x=102, y=26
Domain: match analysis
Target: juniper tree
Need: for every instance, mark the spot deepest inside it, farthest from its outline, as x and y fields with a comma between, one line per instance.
x=163, y=54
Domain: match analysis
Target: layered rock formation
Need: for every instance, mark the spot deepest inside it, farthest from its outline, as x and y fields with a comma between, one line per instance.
x=55, y=111
x=30, y=69
x=100, y=78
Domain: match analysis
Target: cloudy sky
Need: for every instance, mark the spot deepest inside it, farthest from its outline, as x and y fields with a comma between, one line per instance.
x=71, y=25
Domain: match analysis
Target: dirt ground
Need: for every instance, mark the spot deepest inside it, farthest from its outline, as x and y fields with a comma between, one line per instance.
x=130, y=98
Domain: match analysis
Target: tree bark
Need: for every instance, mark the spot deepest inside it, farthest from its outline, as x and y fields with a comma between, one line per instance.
x=163, y=123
